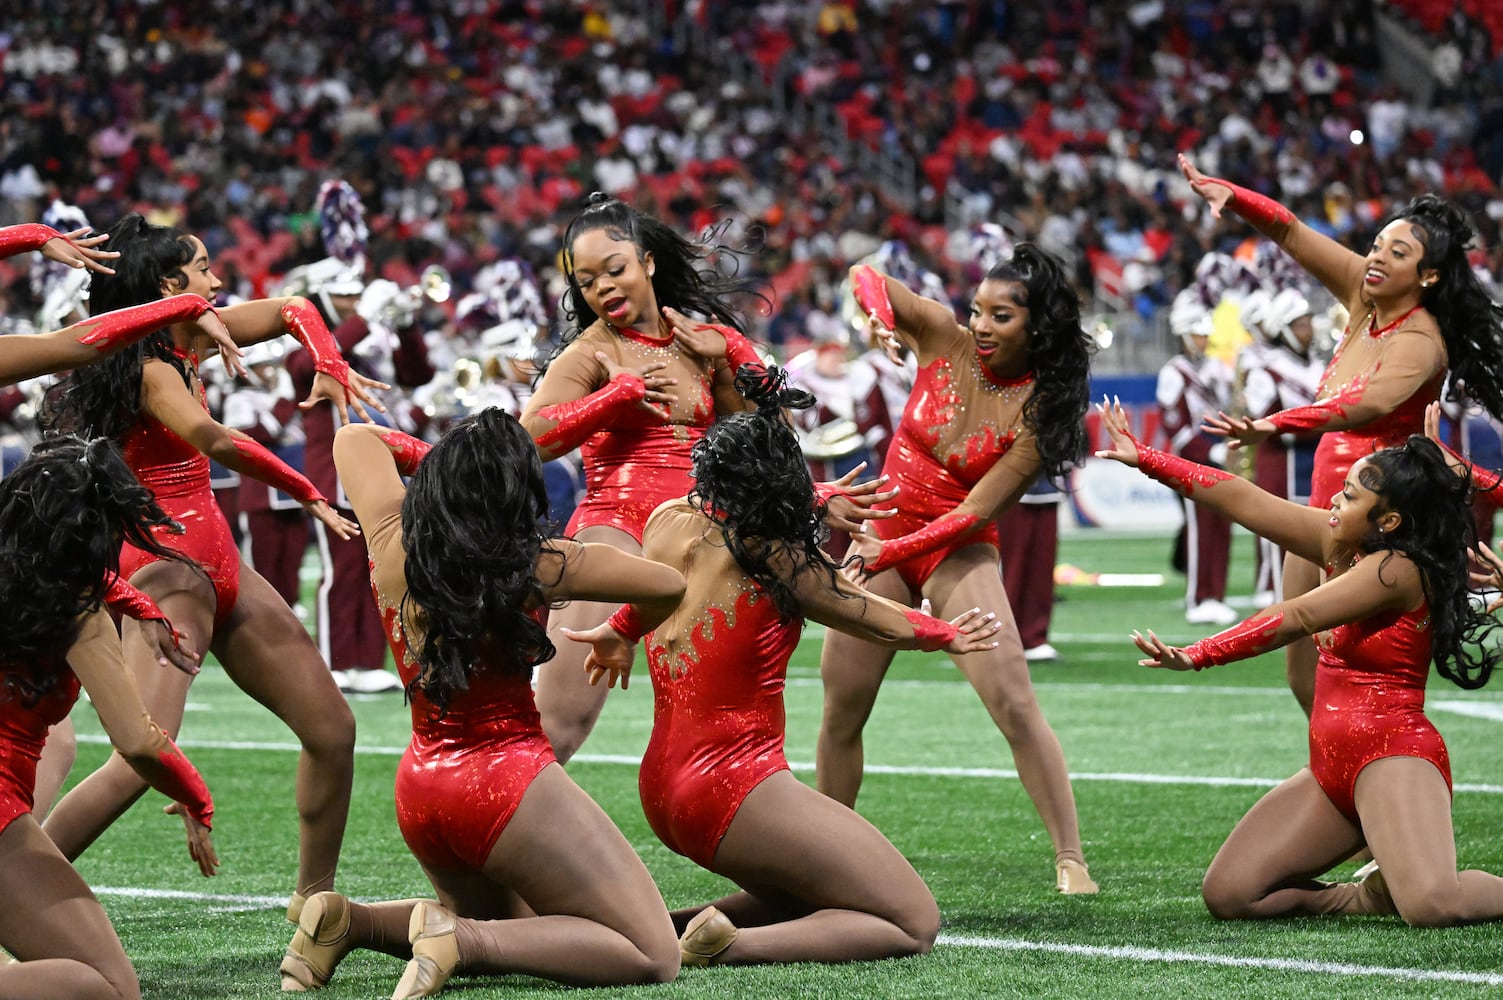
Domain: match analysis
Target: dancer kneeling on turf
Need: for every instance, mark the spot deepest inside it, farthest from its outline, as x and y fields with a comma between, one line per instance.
x=819, y=883
x=1393, y=544
x=531, y=874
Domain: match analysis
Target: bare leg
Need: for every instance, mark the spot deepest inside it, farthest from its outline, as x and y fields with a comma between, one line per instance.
x=55, y=927
x=268, y=654
x=1269, y=864
x=567, y=702
x=969, y=579
x=861, y=898
x=601, y=920
x=58, y=754
x=1406, y=814
x=852, y=671
x=1300, y=577
x=98, y=800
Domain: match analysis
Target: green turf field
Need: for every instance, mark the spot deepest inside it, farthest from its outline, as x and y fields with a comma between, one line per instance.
x=1164, y=765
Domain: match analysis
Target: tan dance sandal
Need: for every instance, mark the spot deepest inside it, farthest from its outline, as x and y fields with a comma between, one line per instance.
x=295, y=907
x=321, y=940
x=435, y=951
x=1072, y=878
x=709, y=933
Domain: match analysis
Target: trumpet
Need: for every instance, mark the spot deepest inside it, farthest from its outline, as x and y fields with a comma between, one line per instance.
x=401, y=304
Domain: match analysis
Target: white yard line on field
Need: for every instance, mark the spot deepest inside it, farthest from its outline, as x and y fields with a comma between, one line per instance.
x=221, y=901
x=1236, y=961
x=807, y=767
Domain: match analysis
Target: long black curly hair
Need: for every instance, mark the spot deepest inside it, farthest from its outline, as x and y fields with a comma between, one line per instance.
x=104, y=399
x=1435, y=531
x=685, y=275
x=64, y=513
x=1059, y=349
x=750, y=479
x=1471, y=323
x=473, y=522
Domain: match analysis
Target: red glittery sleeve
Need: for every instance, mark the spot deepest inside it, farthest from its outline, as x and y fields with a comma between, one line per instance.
x=932, y=633
x=119, y=327
x=936, y=534
x=1262, y=211
x=303, y=321
x=1257, y=634
x=1410, y=361
x=260, y=463
x=407, y=451
x=576, y=420
x=869, y=286
x=127, y=600
x=628, y=622
x=1179, y=474
x=25, y=237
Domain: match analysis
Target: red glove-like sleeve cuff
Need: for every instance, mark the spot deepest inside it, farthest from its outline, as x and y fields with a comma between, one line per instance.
x=408, y=451
x=25, y=237
x=577, y=419
x=120, y=327
x=263, y=465
x=303, y=322
x=1179, y=474
x=870, y=289
x=1245, y=639
x=931, y=633
x=627, y=622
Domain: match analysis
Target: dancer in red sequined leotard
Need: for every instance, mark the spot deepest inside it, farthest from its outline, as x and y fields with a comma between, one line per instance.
x=85, y=343
x=994, y=407
x=1415, y=308
x=531, y=874
x=149, y=397
x=1393, y=541
x=819, y=882
x=633, y=390
x=56, y=637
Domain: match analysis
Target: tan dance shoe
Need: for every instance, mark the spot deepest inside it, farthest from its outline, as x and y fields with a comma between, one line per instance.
x=1372, y=891
x=435, y=951
x=1073, y=879
x=709, y=933
x=321, y=940
x=295, y=907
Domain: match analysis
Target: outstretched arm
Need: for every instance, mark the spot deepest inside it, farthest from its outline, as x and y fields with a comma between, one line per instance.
x=97, y=337
x=76, y=249
x=1333, y=265
x=96, y=659
x=1292, y=526
x=846, y=607
x=1378, y=583
x=263, y=319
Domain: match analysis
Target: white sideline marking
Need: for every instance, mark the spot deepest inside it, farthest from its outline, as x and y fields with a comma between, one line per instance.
x=958, y=941
x=1489, y=710
x=1235, y=961
x=632, y=760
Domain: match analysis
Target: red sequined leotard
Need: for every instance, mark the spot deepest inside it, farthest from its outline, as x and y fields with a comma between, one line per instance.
x=1370, y=701
x=177, y=473
x=633, y=460
x=962, y=453
x=464, y=773
x=718, y=666
x=1375, y=390
x=23, y=731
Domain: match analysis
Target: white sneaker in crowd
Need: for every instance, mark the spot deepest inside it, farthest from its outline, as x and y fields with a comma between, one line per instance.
x=358, y=680
x=1211, y=612
x=1042, y=653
